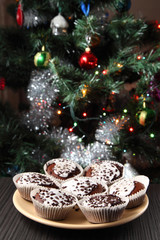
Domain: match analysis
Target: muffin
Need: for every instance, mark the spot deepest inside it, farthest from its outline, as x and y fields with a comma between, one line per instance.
x=106, y=170
x=27, y=181
x=53, y=204
x=103, y=208
x=62, y=169
x=134, y=189
x=84, y=186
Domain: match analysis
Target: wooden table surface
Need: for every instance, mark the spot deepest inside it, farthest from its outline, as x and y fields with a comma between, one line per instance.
x=15, y=226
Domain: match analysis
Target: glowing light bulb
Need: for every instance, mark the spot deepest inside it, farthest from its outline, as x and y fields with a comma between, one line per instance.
x=59, y=112
x=139, y=57
x=131, y=129
x=70, y=129
x=152, y=135
x=105, y=72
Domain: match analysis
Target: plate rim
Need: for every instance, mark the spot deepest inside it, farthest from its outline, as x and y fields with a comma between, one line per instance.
x=64, y=225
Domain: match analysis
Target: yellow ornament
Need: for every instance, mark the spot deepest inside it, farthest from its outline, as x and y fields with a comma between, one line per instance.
x=41, y=59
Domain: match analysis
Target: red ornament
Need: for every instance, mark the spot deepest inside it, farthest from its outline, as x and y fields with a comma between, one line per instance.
x=19, y=15
x=88, y=60
x=2, y=83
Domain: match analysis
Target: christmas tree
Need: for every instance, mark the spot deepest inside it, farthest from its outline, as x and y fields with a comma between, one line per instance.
x=90, y=70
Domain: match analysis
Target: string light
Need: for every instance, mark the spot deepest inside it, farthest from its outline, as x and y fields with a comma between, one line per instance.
x=131, y=129
x=152, y=135
x=105, y=72
x=59, y=112
x=70, y=129
x=84, y=90
x=158, y=26
x=139, y=57
x=116, y=121
x=125, y=110
x=75, y=124
x=119, y=65
x=84, y=114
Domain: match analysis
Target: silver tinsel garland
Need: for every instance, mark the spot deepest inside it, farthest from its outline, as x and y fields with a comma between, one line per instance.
x=74, y=149
x=108, y=131
x=41, y=94
x=32, y=18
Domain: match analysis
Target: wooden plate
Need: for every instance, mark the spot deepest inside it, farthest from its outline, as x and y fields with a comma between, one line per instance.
x=75, y=219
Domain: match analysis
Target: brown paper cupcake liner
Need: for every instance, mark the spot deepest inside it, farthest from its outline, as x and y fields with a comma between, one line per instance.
x=61, y=180
x=51, y=212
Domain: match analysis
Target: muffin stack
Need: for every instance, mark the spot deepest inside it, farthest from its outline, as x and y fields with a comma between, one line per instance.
x=100, y=190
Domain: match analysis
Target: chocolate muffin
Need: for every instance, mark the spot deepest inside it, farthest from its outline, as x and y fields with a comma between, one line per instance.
x=84, y=186
x=51, y=203
x=62, y=169
x=108, y=171
x=27, y=181
x=133, y=188
x=103, y=207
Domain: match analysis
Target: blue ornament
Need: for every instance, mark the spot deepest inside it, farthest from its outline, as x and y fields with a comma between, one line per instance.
x=85, y=9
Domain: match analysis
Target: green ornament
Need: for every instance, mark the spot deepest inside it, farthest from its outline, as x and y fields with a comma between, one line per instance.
x=146, y=116
x=41, y=59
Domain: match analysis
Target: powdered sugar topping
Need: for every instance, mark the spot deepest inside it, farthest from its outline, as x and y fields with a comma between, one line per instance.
x=54, y=197
x=123, y=187
x=80, y=186
x=106, y=171
x=64, y=167
x=101, y=201
x=34, y=178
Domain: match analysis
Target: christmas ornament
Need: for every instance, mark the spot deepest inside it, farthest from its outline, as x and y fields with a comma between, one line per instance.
x=59, y=25
x=123, y=5
x=93, y=40
x=41, y=59
x=88, y=60
x=85, y=9
x=2, y=83
x=145, y=116
x=19, y=15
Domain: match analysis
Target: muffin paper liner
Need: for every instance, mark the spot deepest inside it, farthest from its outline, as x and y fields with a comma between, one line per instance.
x=137, y=199
x=25, y=189
x=51, y=212
x=103, y=214
x=61, y=180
